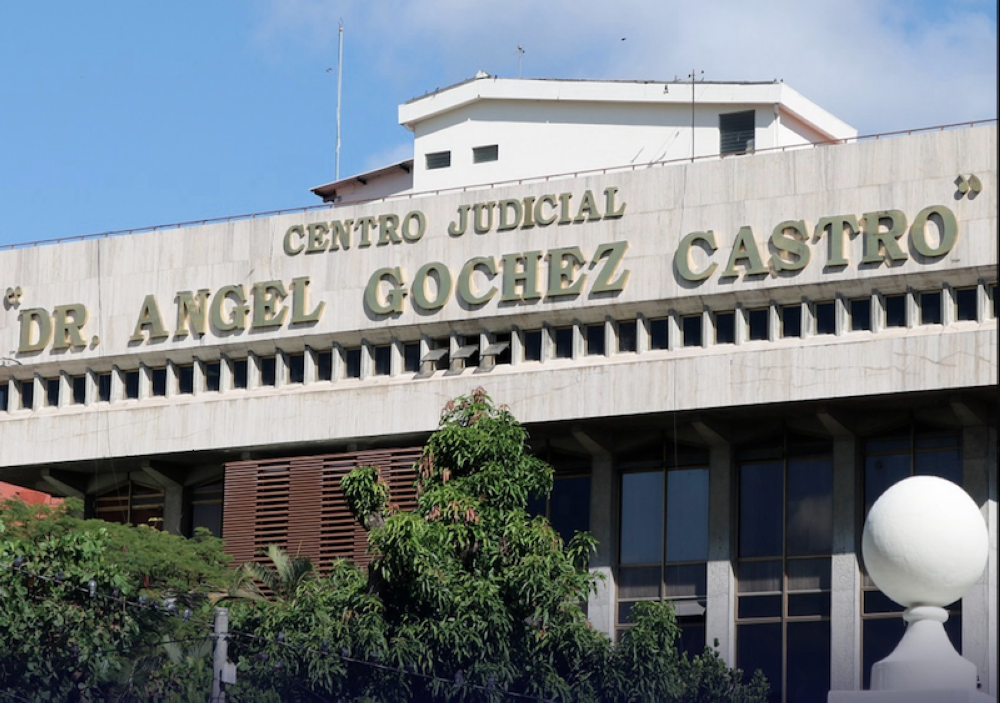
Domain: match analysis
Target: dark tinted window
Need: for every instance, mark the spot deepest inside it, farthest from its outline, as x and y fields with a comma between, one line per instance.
x=158, y=381
x=504, y=357
x=564, y=342
x=791, y=321
x=691, y=329
x=438, y=159
x=131, y=384
x=658, y=338
x=27, y=389
x=627, y=341
x=725, y=327
x=268, y=370
x=185, y=379
x=104, y=387
x=965, y=304
x=930, y=308
x=411, y=357
x=595, y=339
x=757, y=324
x=79, y=384
x=4, y=391
x=324, y=365
x=895, y=311
x=52, y=392
x=213, y=376
x=296, y=368
x=482, y=154
x=383, y=357
x=736, y=132
x=239, y=373
x=826, y=318
x=861, y=314
x=352, y=359
x=533, y=345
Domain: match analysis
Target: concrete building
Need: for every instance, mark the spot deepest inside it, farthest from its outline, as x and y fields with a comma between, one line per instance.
x=727, y=357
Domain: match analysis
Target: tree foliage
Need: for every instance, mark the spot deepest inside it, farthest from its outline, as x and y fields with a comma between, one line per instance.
x=468, y=597
x=60, y=643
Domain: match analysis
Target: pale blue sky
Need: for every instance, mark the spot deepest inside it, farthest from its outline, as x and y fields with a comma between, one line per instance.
x=119, y=114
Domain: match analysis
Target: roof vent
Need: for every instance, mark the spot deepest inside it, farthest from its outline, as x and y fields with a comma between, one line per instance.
x=482, y=74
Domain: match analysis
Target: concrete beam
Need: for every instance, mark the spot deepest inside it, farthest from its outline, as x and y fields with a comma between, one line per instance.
x=61, y=486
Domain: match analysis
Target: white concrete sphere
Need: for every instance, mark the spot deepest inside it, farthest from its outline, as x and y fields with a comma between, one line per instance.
x=925, y=542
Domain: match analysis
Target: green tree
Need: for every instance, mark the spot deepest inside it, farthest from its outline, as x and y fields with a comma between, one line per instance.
x=468, y=597
x=58, y=642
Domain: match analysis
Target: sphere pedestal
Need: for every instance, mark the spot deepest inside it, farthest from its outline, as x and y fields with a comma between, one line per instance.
x=924, y=660
x=924, y=544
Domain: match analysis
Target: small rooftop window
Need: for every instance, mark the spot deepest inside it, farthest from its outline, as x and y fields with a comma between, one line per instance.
x=736, y=132
x=439, y=159
x=482, y=154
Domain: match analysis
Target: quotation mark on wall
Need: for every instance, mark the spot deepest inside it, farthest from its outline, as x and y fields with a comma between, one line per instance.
x=970, y=186
x=13, y=297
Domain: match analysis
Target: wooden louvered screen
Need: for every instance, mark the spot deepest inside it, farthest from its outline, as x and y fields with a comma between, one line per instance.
x=297, y=504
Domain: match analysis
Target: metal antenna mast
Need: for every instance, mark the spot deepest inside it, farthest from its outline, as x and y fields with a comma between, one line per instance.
x=340, y=77
x=520, y=53
x=692, y=76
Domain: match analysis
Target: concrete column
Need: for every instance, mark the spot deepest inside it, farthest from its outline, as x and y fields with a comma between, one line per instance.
x=610, y=336
x=979, y=630
x=225, y=374
x=604, y=528
x=845, y=606
x=740, y=326
x=516, y=346
x=675, y=337
x=641, y=334
x=117, y=385
x=720, y=613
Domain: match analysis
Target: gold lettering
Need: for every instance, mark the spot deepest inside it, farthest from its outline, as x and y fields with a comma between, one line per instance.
x=563, y=264
x=393, y=302
x=745, y=249
x=520, y=271
x=434, y=270
x=238, y=314
x=615, y=251
x=193, y=309
x=839, y=228
x=947, y=229
x=588, y=209
x=682, y=257
x=316, y=240
x=291, y=250
x=875, y=239
x=388, y=226
x=267, y=308
x=300, y=303
x=34, y=318
x=149, y=321
x=790, y=237
x=464, y=286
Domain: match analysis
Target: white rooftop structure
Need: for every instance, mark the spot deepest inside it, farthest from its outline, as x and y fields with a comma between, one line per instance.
x=490, y=130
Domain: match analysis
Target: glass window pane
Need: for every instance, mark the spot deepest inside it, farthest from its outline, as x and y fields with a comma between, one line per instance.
x=804, y=604
x=352, y=362
x=79, y=389
x=268, y=370
x=687, y=515
x=383, y=358
x=692, y=638
x=861, y=314
x=685, y=581
x=759, y=607
x=808, y=665
x=881, y=472
x=879, y=637
x=759, y=576
x=946, y=464
x=185, y=379
x=878, y=602
x=131, y=384
x=569, y=506
x=930, y=308
x=691, y=329
x=757, y=324
x=639, y=582
x=533, y=345
x=791, y=321
x=627, y=341
x=895, y=311
x=324, y=365
x=759, y=647
x=826, y=318
x=564, y=342
x=965, y=304
x=296, y=368
x=158, y=381
x=213, y=376
x=725, y=327
x=658, y=333
x=104, y=387
x=761, y=509
x=411, y=357
x=808, y=574
x=52, y=392
x=595, y=339
x=810, y=506
x=642, y=518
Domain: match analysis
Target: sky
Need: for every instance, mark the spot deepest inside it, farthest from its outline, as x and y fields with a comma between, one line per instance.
x=120, y=114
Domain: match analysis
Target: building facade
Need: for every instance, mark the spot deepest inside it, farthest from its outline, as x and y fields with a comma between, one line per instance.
x=726, y=359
